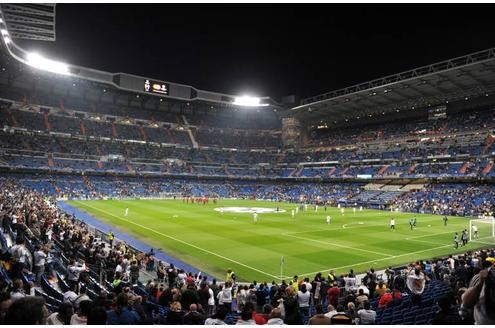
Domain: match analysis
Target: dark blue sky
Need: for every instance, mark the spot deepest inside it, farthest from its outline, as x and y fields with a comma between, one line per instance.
x=267, y=49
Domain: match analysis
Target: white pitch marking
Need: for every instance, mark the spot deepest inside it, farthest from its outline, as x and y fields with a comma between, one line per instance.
x=183, y=242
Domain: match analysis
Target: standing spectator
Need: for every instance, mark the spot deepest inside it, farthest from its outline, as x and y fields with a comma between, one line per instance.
x=39, y=263
x=333, y=295
x=21, y=257
x=416, y=283
x=303, y=299
x=134, y=272
x=481, y=296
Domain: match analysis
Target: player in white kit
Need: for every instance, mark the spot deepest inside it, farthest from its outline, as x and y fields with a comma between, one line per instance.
x=126, y=212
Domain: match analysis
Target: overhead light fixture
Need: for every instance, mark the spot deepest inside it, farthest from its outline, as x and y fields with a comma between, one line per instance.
x=4, y=32
x=247, y=101
x=37, y=61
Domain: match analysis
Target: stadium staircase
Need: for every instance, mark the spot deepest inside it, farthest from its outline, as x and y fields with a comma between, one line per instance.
x=226, y=170
x=50, y=160
x=296, y=172
x=12, y=118
x=344, y=171
x=464, y=168
x=143, y=133
x=332, y=171
x=490, y=140
x=114, y=131
x=166, y=167
x=170, y=134
x=208, y=158
x=82, y=127
x=48, y=126
x=129, y=167
x=89, y=184
x=488, y=168
x=383, y=169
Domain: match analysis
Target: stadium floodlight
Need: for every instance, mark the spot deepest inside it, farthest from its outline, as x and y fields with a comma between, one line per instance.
x=4, y=32
x=247, y=101
x=40, y=62
x=6, y=39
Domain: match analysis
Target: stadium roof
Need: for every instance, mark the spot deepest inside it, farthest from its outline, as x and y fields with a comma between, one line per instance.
x=30, y=21
x=455, y=79
x=37, y=22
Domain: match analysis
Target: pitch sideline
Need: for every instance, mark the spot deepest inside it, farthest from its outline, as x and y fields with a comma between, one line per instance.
x=181, y=241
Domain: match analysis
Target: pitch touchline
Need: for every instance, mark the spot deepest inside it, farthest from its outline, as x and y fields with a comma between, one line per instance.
x=341, y=246
x=183, y=242
x=377, y=260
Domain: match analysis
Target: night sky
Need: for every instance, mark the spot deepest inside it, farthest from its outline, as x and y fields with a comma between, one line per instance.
x=266, y=50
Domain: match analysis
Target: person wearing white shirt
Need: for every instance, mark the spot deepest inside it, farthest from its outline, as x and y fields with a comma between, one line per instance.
x=303, y=298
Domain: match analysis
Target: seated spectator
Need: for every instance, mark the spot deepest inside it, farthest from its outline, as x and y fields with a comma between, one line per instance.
x=361, y=298
x=262, y=318
x=319, y=318
x=62, y=316
x=175, y=316
x=330, y=311
x=29, y=310
x=380, y=289
x=218, y=318
x=193, y=317
x=448, y=314
x=122, y=315
x=97, y=316
x=385, y=299
x=366, y=316
x=275, y=317
x=246, y=316
x=81, y=317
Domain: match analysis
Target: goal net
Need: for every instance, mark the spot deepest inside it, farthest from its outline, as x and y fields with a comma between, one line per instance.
x=482, y=229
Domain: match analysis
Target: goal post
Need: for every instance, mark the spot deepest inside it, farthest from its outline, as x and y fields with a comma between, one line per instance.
x=484, y=226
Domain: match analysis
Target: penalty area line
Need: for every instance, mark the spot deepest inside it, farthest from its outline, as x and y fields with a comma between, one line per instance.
x=182, y=241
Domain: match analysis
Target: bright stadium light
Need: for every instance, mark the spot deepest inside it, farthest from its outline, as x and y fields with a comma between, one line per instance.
x=6, y=39
x=247, y=101
x=4, y=32
x=40, y=62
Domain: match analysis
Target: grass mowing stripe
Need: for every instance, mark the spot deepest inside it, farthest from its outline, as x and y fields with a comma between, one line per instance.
x=337, y=245
x=183, y=242
x=378, y=260
x=261, y=245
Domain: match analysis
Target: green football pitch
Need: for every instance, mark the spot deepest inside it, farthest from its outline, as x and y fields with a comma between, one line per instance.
x=212, y=240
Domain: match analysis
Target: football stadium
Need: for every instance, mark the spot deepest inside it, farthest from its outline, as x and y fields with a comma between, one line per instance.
x=132, y=199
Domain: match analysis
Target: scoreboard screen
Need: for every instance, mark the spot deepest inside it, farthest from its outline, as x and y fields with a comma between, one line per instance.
x=156, y=87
